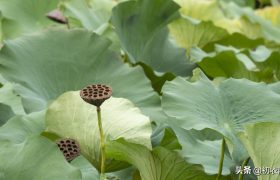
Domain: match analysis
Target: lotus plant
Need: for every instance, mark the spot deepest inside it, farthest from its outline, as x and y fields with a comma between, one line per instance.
x=95, y=95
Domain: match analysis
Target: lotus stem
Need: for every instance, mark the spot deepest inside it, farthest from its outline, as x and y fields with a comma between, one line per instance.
x=96, y=94
x=102, y=144
x=245, y=162
x=221, y=160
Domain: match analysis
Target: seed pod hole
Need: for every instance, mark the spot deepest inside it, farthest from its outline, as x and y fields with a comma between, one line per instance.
x=70, y=150
x=96, y=94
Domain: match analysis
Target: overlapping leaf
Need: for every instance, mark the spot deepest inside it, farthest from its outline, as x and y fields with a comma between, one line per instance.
x=35, y=158
x=90, y=14
x=20, y=17
x=224, y=108
x=159, y=164
x=141, y=27
x=69, y=116
x=260, y=64
x=55, y=61
x=203, y=147
x=189, y=33
x=213, y=11
x=24, y=154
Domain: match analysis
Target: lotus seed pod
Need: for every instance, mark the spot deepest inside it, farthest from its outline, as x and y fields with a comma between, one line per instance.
x=57, y=16
x=69, y=147
x=96, y=94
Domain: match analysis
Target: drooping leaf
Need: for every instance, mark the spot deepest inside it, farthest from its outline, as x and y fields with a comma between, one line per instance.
x=69, y=116
x=158, y=164
x=141, y=27
x=55, y=61
x=225, y=107
x=261, y=141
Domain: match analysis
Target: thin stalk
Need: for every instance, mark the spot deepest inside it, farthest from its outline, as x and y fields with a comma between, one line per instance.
x=102, y=145
x=245, y=162
x=221, y=159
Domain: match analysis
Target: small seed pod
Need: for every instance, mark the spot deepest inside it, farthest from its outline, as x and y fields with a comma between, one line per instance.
x=96, y=94
x=57, y=16
x=69, y=147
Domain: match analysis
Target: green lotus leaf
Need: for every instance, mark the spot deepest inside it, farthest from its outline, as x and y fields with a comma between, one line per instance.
x=225, y=107
x=44, y=70
x=213, y=11
x=34, y=158
x=267, y=29
x=20, y=127
x=189, y=33
x=249, y=3
x=275, y=2
x=261, y=141
x=236, y=40
x=130, y=173
x=24, y=154
x=271, y=14
x=69, y=116
x=6, y=113
x=203, y=147
x=88, y=171
x=91, y=14
x=260, y=64
x=142, y=29
x=158, y=164
x=9, y=98
x=25, y=16
x=260, y=54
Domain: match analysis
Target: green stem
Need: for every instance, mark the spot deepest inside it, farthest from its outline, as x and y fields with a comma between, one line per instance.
x=221, y=159
x=102, y=145
x=242, y=167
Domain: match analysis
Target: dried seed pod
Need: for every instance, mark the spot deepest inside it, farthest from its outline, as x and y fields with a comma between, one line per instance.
x=96, y=94
x=69, y=147
x=57, y=16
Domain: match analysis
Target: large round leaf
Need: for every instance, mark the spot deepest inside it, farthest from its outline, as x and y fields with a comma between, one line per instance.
x=141, y=27
x=55, y=61
x=70, y=116
x=224, y=108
